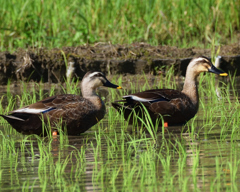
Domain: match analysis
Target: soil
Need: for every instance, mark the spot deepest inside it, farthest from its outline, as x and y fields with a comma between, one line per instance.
x=41, y=64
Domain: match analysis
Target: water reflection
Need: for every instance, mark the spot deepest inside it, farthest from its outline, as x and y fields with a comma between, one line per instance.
x=84, y=160
x=197, y=156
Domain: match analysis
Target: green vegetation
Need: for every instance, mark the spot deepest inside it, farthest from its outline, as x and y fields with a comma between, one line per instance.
x=204, y=157
x=70, y=23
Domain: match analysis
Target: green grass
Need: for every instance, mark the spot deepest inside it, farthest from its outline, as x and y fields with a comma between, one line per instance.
x=109, y=158
x=70, y=23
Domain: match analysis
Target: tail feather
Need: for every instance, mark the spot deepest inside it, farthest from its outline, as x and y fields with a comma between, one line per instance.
x=25, y=123
x=12, y=117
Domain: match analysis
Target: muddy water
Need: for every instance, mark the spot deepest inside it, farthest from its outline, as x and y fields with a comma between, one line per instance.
x=208, y=156
x=29, y=171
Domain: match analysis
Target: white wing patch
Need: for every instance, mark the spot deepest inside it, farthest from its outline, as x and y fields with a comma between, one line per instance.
x=136, y=98
x=32, y=110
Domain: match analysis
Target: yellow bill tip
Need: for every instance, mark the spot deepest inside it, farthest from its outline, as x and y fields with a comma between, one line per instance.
x=119, y=87
x=223, y=74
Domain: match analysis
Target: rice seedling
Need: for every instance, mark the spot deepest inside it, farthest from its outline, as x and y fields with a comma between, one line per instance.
x=109, y=157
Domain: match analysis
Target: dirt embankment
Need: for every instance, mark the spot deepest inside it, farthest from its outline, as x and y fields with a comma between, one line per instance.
x=51, y=65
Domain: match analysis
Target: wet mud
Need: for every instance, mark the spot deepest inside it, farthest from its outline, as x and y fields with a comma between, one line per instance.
x=41, y=64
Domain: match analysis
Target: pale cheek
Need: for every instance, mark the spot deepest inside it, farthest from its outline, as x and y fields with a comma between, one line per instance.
x=97, y=84
x=100, y=84
x=204, y=69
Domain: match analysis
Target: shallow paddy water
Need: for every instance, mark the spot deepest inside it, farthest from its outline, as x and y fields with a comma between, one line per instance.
x=201, y=156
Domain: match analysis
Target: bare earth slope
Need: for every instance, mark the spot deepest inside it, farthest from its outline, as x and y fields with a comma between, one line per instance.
x=50, y=65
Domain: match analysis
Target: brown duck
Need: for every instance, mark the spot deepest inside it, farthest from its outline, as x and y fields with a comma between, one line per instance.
x=76, y=114
x=176, y=107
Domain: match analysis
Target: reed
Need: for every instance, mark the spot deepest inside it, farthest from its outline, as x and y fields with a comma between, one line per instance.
x=40, y=24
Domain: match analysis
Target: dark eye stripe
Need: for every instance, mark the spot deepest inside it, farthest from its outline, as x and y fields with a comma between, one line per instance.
x=98, y=75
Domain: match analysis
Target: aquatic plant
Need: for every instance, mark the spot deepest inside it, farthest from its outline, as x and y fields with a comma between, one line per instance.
x=111, y=156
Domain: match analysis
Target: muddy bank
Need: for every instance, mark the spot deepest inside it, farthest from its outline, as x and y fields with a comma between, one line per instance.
x=51, y=65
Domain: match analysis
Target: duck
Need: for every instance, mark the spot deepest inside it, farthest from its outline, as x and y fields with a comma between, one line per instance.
x=174, y=106
x=69, y=112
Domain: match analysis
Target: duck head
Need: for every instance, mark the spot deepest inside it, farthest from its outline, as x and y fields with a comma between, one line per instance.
x=203, y=64
x=94, y=79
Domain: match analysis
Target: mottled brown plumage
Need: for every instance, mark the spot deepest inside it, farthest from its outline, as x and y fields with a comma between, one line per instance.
x=176, y=107
x=76, y=113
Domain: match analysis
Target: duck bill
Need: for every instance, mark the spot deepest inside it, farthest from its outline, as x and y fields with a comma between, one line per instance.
x=109, y=84
x=213, y=69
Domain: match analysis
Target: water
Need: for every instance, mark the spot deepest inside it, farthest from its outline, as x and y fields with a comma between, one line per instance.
x=21, y=168
x=110, y=158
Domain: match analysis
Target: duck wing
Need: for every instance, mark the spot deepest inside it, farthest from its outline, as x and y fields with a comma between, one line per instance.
x=69, y=107
x=57, y=105
x=48, y=104
x=157, y=101
x=28, y=120
x=161, y=101
x=153, y=96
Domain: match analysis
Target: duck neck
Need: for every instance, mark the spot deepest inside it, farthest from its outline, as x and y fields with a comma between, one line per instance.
x=190, y=88
x=90, y=94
